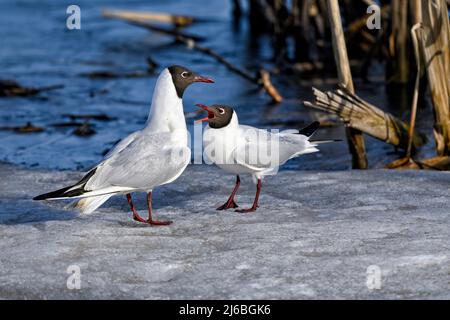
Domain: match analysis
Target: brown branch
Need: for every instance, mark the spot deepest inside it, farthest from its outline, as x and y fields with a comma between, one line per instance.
x=263, y=80
x=169, y=32
x=10, y=88
x=192, y=43
x=149, y=16
x=268, y=86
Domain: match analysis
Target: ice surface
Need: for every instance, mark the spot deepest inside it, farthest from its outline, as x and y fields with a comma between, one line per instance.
x=314, y=236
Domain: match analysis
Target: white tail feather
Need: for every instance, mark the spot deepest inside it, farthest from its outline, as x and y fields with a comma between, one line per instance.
x=89, y=205
x=319, y=142
x=312, y=149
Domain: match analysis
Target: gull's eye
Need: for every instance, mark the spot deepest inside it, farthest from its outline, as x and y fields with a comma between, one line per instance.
x=184, y=74
x=221, y=111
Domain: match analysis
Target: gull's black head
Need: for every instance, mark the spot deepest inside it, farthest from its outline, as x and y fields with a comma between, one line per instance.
x=219, y=116
x=182, y=77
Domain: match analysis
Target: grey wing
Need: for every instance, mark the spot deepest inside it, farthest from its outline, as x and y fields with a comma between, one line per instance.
x=148, y=161
x=94, y=180
x=261, y=150
x=122, y=144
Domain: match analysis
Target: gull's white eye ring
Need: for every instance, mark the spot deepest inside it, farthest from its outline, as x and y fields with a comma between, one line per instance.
x=221, y=111
x=184, y=74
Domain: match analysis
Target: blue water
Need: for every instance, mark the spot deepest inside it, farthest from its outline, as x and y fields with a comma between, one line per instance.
x=38, y=50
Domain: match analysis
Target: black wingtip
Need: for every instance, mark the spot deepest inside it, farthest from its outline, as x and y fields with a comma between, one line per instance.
x=64, y=191
x=40, y=197
x=310, y=130
x=53, y=194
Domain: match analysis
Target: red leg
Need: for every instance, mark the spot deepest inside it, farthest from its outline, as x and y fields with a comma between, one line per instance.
x=150, y=219
x=255, y=203
x=230, y=202
x=136, y=215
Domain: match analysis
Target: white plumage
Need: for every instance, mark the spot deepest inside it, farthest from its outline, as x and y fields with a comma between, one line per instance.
x=151, y=157
x=242, y=149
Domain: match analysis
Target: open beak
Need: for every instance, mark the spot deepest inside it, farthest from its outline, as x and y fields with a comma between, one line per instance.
x=198, y=78
x=210, y=113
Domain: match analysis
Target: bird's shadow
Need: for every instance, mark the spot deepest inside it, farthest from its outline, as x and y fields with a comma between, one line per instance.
x=28, y=211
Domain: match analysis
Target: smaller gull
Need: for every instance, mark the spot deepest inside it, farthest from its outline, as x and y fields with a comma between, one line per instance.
x=240, y=149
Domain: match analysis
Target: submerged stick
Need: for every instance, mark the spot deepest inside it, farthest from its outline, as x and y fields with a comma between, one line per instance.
x=262, y=80
x=191, y=42
x=268, y=86
x=169, y=32
x=27, y=128
x=10, y=88
x=149, y=16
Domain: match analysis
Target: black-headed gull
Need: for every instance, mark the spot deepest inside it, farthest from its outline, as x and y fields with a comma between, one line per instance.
x=240, y=149
x=153, y=156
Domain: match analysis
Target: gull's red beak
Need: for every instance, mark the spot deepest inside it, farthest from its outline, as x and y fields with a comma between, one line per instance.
x=198, y=78
x=210, y=113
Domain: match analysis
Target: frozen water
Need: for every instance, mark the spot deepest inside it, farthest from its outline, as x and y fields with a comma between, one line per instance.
x=313, y=237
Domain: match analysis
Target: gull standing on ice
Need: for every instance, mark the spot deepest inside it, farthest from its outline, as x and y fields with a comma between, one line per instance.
x=238, y=148
x=151, y=157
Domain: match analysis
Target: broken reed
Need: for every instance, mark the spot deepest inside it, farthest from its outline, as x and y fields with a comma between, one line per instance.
x=365, y=117
x=433, y=37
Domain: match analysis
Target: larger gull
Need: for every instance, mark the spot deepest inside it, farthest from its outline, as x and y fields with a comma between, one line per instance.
x=151, y=157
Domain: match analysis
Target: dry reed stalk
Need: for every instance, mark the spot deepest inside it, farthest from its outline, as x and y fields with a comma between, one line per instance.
x=355, y=137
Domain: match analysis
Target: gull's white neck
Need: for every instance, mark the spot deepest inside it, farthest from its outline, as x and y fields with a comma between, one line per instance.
x=166, y=111
x=232, y=127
